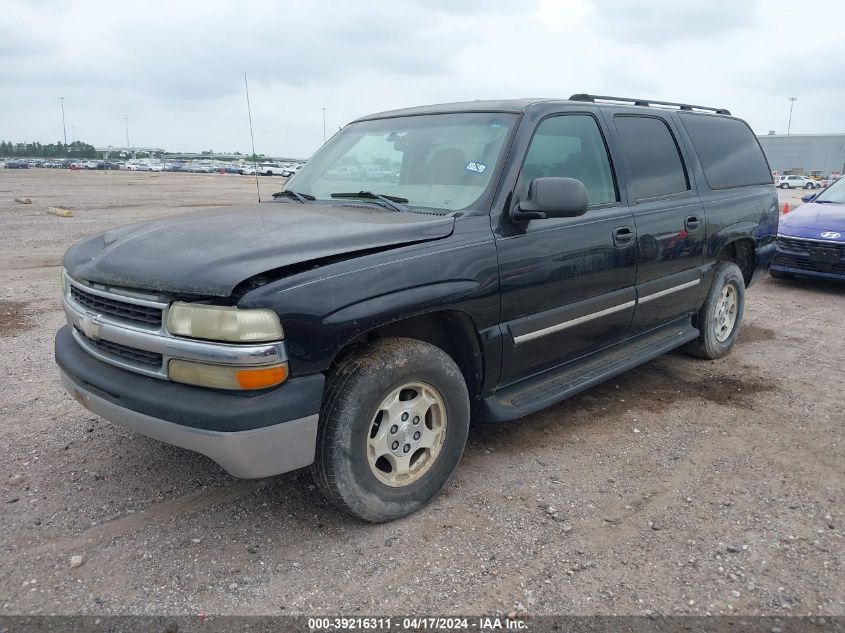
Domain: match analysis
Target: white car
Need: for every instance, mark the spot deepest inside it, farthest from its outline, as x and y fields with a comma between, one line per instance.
x=290, y=171
x=791, y=181
x=156, y=167
x=247, y=170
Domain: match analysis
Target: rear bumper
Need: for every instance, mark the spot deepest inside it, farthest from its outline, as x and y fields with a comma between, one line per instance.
x=764, y=255
x=251, y=436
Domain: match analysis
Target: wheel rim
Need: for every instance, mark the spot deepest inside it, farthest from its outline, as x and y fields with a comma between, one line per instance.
x=726, y=311
x=406, y=434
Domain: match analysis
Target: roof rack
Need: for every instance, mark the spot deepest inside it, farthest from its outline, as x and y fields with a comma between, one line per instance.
x=646, y=102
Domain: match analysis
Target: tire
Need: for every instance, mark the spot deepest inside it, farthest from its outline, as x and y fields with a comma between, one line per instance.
x=784, y=185
x=715, y=338
x=809, y=185
x=354, y=429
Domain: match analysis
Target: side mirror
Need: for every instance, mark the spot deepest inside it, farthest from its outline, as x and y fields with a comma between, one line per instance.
x=553, y=198
x=809, y=197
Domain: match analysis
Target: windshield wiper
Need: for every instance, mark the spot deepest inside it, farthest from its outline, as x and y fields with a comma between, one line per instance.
x=299, y=197
x=394, y=202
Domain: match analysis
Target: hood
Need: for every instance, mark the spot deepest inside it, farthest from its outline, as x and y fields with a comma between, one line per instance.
x=810, y=220
x=210, y=252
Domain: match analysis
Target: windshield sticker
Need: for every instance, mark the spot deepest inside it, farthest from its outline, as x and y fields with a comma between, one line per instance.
x=478, y=168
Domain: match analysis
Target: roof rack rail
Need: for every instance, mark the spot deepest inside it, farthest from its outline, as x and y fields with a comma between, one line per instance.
x=646, y=102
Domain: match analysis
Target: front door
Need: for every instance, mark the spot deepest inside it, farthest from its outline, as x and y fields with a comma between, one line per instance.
x=567, y=284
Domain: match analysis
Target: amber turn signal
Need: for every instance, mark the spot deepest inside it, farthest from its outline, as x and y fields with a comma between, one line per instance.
x=262, y=378
x=227, y=376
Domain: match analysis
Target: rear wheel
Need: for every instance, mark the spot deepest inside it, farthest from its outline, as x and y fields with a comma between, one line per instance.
x=720, y=317
x=809, y=185
x=393, y=427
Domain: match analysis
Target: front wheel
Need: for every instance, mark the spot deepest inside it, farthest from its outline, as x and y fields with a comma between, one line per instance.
x=809, y=185
x=393, y=426
x=720, y=317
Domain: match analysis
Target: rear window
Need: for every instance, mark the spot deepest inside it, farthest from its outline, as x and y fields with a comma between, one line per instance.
x=653, y=157
x=728, y=150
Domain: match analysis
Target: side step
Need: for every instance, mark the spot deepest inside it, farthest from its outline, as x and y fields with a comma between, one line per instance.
x=560, y=383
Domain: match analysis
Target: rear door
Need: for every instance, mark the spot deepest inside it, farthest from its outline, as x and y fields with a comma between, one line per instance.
x=668, y=214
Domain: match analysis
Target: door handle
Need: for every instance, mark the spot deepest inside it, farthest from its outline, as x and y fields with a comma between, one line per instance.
x=623, y=236
x=691, y=223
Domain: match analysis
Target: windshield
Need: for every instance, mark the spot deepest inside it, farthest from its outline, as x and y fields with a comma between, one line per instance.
x=834, y=194
x=439, y=161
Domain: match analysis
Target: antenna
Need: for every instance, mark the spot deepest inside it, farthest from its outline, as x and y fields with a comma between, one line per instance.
x=252, y=138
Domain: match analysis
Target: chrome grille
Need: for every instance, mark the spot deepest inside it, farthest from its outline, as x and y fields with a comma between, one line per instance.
x=115, y=307
x=125, y=328
x=133, y=354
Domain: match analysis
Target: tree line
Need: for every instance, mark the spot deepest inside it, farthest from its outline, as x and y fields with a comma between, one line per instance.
x=77, y=149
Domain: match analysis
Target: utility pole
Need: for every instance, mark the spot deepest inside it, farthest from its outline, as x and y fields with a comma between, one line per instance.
x=792, y=101
x=64, y=129
x=126, y=122
x=73, y=134
x=324, y=125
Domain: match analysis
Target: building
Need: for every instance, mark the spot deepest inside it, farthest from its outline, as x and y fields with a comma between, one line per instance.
x=805, y=153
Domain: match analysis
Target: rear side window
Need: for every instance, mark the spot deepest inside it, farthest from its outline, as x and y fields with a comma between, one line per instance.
x=654, y=159
x=728, y=150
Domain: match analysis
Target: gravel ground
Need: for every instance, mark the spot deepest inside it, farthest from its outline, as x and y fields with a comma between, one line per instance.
x=682, y=487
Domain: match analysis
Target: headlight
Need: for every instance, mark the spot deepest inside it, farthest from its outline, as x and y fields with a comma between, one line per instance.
x=226, y=376
x=221, y=323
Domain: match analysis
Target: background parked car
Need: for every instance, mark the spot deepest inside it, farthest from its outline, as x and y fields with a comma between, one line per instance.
x=16, y=164
x=791, y=181
x=290, y=171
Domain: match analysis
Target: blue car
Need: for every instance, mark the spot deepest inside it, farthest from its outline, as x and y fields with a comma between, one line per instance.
x=811, y=239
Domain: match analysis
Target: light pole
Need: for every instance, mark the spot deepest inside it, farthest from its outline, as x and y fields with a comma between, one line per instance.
x=126, y=123
x=792, y=101
x=64, y=129
x=73, y=134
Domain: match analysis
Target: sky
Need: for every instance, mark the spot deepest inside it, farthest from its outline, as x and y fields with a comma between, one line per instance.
x=175, y=69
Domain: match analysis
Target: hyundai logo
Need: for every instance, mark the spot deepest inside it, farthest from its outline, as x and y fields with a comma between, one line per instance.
x=831, y=235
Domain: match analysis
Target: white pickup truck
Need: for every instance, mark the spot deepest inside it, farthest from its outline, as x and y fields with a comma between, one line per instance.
x=271, y=169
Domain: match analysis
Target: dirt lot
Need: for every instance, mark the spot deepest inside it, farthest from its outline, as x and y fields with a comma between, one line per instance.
x=682, y=487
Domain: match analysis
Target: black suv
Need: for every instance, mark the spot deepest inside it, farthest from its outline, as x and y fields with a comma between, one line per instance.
x=518, y=253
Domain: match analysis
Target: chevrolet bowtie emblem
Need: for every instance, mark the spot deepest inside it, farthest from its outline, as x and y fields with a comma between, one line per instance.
x=89, y=326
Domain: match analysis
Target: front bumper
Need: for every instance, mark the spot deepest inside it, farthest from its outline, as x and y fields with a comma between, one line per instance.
x=251, y=435
x=810, y=257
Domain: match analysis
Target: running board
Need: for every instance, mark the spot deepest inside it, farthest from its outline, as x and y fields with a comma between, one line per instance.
x=539, y=392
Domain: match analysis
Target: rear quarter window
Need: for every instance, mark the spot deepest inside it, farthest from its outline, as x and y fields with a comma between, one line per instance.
x=728, y=151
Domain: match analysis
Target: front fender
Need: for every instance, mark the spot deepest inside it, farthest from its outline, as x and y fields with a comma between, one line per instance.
x=323, y=309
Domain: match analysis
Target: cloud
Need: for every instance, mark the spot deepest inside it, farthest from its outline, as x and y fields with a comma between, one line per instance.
x=659, y=22
x=175, y=69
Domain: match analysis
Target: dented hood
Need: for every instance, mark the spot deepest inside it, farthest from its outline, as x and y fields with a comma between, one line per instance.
x=209, y=252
